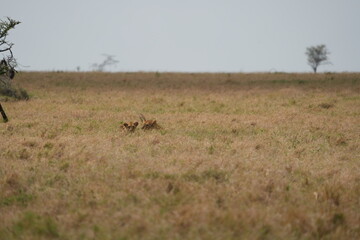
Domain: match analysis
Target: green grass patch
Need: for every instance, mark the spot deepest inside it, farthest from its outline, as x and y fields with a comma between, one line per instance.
x=32, y=224
x=21, y=199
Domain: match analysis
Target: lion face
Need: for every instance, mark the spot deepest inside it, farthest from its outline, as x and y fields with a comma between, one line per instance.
x=130, y=126
x=148, y=124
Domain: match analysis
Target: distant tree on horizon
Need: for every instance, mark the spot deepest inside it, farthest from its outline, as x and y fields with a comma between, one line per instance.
x=109, y=61
x=317, y=55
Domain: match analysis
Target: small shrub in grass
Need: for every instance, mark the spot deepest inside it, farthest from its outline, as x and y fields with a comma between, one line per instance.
x=17, y=93
x=36, y=225
x=211, y=174
x=20, y=199
x=217, y=175
x=326, y=105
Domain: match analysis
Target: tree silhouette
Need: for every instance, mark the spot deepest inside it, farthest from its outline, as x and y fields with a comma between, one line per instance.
x=109, y=61
x=317, y=55
x=8, y=63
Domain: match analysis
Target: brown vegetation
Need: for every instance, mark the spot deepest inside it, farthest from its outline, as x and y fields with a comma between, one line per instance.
x=240, y=156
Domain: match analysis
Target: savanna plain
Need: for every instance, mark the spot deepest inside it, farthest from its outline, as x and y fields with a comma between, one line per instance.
x=238, y=156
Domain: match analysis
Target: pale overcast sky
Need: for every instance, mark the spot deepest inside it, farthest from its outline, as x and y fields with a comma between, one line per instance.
x=184, y=35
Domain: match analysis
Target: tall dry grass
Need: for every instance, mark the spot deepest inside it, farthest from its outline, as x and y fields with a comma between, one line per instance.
x=239, y=156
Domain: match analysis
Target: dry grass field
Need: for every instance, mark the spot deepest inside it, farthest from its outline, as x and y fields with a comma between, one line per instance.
x=239, y=156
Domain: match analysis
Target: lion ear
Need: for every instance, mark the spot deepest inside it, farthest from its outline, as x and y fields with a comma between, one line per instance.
x=136, y=123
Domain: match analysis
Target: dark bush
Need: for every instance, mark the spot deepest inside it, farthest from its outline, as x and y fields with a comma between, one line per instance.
x=8, y=90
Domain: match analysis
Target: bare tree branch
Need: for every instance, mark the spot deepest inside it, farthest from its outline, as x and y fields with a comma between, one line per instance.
x=6, y=49
x=109, y=61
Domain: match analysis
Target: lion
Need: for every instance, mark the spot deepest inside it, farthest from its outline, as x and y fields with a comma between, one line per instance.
x=148, y=124
x=129, y=126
